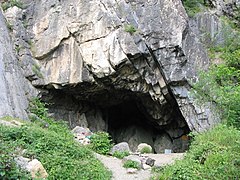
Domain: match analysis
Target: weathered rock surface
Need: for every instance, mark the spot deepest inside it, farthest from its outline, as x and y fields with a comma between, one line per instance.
x=120, y=147
x=162, y=142
x=97, y=73
x=91, y=55
x=14, y=88
x=34, y=166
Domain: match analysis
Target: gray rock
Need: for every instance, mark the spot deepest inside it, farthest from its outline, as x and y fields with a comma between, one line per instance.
x=81, y=131
x=162, y=142
x=134, y=135
x=34, y=166
x=14, y=88
x=22, y=162
x=85, y=54
x=120, y=147
x=150, y=162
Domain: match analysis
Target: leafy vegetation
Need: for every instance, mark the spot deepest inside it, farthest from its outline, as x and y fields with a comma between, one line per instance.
x=193, y=6
x=131, y=164
x=130, y=29
x=146, y=150
x=54, y=147
x=8, y=167
x=212, y=155
x=11, y=3
x=215, y=154
x=120, y=154
x=101, y=143
x=220, y=85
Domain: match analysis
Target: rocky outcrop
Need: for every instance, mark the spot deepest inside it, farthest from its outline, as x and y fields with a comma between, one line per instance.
x=14, y=88
x=93, y=55
x=110, y=65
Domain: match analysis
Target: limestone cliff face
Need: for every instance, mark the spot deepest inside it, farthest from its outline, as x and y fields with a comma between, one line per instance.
x=14, y=88
x=79, y=42
x=106, y=63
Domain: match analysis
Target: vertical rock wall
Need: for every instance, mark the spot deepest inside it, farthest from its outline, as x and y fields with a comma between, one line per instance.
x=14, y=88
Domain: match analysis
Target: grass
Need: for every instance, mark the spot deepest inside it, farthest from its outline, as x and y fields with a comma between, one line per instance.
x=146, y=150
x=131, y=164
x=193, y=7
x=36, y=70
x=120, y=154
x=212, y=155
x=55, y=148
x=130, y=29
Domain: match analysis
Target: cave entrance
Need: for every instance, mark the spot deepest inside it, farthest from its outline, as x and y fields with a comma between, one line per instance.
x=127, y=123
x=122, y=115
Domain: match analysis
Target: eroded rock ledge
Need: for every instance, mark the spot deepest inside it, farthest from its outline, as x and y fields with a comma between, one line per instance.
x=98, y=73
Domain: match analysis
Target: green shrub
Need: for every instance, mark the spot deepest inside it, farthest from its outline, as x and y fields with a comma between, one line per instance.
x=146, y=150
x=56, y=149
x=131, y=164
x=212, y=155
x=8, y=167
x=101, y=143
x=130, y=29
x=192, y=7
x=11, y=3
x=120, y=154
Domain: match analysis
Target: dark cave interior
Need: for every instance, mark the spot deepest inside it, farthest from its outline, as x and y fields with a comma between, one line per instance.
x=123, y=118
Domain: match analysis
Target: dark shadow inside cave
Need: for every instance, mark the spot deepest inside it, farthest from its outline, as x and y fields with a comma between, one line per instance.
x=123, y=116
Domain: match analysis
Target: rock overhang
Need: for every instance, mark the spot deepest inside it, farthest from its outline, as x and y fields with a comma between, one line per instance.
x=93, y=52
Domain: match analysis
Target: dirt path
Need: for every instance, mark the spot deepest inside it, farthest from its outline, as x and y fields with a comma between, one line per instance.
x=120, y=173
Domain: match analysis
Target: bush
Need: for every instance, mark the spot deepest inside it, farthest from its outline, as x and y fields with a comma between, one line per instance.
x=101, y=143
x=192, y=7
x=130, y=29
x=120, y=154
x=212, y=155
x=145, y=150
x=8, y=167
x=131, y=164
x=60, y=154
x=54, y=147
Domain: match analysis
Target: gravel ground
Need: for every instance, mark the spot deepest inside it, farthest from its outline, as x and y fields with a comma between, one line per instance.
x=120, y=173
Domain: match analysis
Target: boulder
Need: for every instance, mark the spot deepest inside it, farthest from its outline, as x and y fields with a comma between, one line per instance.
x=34, y=166
x=162, y=142
x=120, y=147
x=144, y=148
x=36, y=169
x=81, y=131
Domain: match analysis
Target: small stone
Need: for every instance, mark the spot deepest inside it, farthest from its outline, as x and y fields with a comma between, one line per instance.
x=146, y=167
x=150, y=162
x=131, y=171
